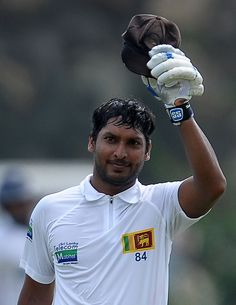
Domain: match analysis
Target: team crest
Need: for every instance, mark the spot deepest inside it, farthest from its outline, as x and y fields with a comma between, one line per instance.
x=138, y=241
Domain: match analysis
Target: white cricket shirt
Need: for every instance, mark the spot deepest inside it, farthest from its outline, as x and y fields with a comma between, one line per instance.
x=104, y=250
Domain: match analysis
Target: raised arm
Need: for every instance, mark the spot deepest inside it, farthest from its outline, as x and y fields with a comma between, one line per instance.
x=34, y=293
x=175, y=80
x=197, y=194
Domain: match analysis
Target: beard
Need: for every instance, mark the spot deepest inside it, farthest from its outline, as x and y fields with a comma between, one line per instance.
x=119, y=180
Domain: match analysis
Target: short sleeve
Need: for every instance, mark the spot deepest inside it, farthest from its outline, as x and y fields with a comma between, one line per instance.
x=165, y=197
x=36, y=259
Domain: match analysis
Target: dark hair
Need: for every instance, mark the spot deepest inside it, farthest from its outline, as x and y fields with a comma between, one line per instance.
x=132, y=113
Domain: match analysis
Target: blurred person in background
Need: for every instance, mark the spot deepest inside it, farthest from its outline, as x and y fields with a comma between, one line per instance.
x=16, y=200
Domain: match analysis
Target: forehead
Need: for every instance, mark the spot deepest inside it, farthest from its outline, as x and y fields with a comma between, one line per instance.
x=113, y=126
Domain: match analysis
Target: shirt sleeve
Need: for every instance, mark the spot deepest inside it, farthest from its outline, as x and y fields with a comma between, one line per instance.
x=178, y=221
x=165, y=197
x=36, y=259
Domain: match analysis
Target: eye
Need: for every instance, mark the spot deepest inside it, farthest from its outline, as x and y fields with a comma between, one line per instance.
x=135, y=142
x=109, y=139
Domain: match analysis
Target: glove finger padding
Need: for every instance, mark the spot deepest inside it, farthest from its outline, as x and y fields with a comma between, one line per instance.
x=164, y=48
x=180, y=73
x=174, y=75
x=197, y=90
x=168, y=65
x=159, y=58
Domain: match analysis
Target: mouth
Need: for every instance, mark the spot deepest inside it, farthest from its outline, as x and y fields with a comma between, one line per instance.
x=119, y=164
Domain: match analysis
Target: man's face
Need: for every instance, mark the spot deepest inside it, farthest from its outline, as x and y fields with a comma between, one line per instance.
x=119, y=155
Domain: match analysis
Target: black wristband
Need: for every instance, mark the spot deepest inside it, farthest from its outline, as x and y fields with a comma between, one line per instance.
x=180, y=113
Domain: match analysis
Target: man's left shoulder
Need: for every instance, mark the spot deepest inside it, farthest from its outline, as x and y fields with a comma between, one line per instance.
x=160, y=186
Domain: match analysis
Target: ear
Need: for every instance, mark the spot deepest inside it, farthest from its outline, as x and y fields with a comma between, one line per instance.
x=148, y=152
x=91, y=144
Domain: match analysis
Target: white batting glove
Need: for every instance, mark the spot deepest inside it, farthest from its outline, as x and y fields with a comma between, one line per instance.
x=174, y=76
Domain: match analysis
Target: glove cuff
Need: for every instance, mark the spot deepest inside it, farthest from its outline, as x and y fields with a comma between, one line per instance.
x=180, y=113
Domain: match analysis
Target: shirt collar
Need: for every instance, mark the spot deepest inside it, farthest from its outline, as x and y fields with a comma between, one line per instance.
x=131, y=195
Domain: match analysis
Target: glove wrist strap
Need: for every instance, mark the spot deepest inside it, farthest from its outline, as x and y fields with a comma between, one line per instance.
x=180, y=113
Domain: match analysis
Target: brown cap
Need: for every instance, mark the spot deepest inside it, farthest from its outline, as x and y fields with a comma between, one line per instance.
x=145, y=31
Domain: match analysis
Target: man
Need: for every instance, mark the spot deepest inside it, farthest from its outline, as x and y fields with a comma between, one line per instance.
x=16, y=202
x=108, y=240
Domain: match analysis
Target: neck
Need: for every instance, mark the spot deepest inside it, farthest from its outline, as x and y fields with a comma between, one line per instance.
x=108, y=188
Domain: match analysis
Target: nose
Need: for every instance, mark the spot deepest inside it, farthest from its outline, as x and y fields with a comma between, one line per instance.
x=120, y=151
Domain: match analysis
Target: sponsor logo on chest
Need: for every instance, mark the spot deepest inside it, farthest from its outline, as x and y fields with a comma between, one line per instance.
x=66, y=253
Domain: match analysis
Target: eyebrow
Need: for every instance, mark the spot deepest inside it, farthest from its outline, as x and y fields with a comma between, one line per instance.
x=136, y=137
